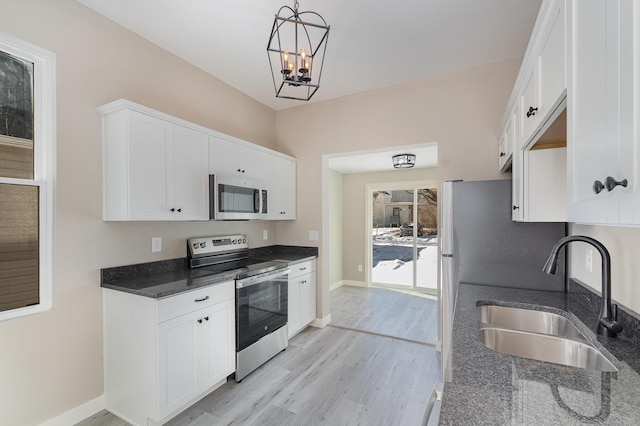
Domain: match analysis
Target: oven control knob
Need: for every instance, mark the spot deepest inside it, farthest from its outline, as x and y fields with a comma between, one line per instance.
x=195, y=245
x=203, y=245
x=234, y=241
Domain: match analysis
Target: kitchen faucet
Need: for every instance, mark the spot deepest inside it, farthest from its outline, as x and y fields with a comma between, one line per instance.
x=607, y=321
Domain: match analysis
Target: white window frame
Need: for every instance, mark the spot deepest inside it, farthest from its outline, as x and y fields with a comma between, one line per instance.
x=44, y=143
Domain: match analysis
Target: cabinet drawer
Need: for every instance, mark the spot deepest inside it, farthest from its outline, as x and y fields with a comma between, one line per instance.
x=184, y=303
x=302, y=268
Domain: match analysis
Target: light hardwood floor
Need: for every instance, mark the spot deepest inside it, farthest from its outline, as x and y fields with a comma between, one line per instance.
x=333, y=376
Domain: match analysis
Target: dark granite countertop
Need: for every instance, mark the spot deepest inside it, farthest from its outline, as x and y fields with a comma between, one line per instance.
x=170, y=277
x=491, y=388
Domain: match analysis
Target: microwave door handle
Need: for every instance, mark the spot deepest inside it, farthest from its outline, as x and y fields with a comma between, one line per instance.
x=256, y=201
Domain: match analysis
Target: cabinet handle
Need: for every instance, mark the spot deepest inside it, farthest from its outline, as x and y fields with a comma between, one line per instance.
x=173, y=210
x=598, y=187
x=610, y=183
x=502, y=154
x=302, y=269
x=532, y=111
x=200, y=321
x=202, y=300
x=303, y=282
x=515, y=208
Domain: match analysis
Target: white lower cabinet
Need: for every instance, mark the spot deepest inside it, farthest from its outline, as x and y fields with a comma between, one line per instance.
x=302, y=296
x=162, y=355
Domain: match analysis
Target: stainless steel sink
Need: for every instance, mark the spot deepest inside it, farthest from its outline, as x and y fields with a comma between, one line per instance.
x=539, y=335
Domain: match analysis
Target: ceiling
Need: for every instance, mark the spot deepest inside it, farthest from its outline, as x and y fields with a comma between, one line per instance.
x=371, y=44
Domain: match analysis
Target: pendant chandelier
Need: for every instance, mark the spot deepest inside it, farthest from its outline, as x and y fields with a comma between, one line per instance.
x=296, y=52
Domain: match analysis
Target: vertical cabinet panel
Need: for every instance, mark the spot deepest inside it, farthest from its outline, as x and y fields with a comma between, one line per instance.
x=218, y=348
x=191, y=173
x=281, y=174
x=150, y=167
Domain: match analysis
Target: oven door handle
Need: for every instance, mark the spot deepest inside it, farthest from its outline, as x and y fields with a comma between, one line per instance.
x=257, y=279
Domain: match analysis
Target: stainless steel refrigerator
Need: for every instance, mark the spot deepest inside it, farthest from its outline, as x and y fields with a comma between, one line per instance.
x=481, y=245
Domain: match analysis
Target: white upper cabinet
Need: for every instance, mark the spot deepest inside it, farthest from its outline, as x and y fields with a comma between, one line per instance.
x=603, y=112
x=531, y=122
x=153, y=169
x=233, y=159
x=157, y=167
x=281, y=174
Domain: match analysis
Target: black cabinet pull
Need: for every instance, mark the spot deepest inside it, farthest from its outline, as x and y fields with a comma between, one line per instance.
x=515, y=208
x=502, y=154
x=206, y=318
x=200, y=321
x=173, y=210
x=202, y=300
x=179, y=210
x=598, y=187
x=532, y=111
x=610, y=183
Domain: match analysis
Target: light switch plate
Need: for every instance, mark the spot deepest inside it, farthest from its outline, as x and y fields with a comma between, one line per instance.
x=265, y=234
x=156, y=244
x=313, y=235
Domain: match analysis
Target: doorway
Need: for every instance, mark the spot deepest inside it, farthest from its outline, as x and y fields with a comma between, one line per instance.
x=402, y=236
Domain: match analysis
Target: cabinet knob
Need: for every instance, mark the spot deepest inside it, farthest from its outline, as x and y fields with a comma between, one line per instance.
x=200, y=321
x=515, y=208
x=202, y=300
x=598, y=187
x=532, y=111
x=239, y=171
x=173, y=210
x=206, y=318
x=179, y=210
x=610, y=183
x=502, y=154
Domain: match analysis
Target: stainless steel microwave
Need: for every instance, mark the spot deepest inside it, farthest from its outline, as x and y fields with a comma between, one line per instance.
x=236, y=199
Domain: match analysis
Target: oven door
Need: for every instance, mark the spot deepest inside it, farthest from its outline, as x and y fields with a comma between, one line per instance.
x=261, y=306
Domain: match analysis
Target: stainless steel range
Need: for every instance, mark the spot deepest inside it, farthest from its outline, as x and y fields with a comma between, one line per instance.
x=261, y=297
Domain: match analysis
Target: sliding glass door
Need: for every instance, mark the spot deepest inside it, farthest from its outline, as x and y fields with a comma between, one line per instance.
x=403, y=236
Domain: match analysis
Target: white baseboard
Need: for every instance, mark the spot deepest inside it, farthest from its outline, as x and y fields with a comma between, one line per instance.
x=346, y=282
x=321, y=322
x=77, y=414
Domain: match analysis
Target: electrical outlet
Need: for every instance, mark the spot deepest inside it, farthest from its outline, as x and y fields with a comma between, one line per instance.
x=359, y=268
x=313, y=235
x=156, y=244
x=265, y=234
x=588, y=262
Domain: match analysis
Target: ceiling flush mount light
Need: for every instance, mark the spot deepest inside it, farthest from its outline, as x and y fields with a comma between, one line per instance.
x=404, y=161
x=296, y=52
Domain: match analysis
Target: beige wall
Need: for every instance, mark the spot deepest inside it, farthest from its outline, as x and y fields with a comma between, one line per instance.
x=461, y=111
x=623, y=245
x=355, y=212
x=52, y=362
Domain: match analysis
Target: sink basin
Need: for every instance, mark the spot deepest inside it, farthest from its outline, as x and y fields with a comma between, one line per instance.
x=539, y=335
x=528, y=320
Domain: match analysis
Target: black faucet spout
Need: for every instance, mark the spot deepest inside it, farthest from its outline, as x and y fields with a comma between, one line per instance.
x=607, y=321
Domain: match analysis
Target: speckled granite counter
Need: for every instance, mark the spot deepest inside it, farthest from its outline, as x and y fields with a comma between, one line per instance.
x=169, y=277
x=491, y=388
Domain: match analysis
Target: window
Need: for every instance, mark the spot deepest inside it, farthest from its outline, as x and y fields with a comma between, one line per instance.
x=27, y=141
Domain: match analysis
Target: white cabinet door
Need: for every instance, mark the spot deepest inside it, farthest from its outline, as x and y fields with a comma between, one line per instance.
x=232, y=159
x=150, y=167
x=218, y=348
x=281, y=181
x=191, y=174
x=594, y=110
x=552, y=61
x=178, y=348
x=529, y=105
x=293, y=308
x=308, y=299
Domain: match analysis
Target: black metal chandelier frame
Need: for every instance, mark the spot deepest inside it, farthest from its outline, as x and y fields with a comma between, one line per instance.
x=296, y=74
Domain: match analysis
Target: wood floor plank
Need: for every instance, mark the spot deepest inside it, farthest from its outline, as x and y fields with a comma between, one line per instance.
x=334, y=376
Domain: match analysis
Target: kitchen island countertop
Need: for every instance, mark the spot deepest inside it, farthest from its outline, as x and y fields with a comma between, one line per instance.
x=492, y=388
